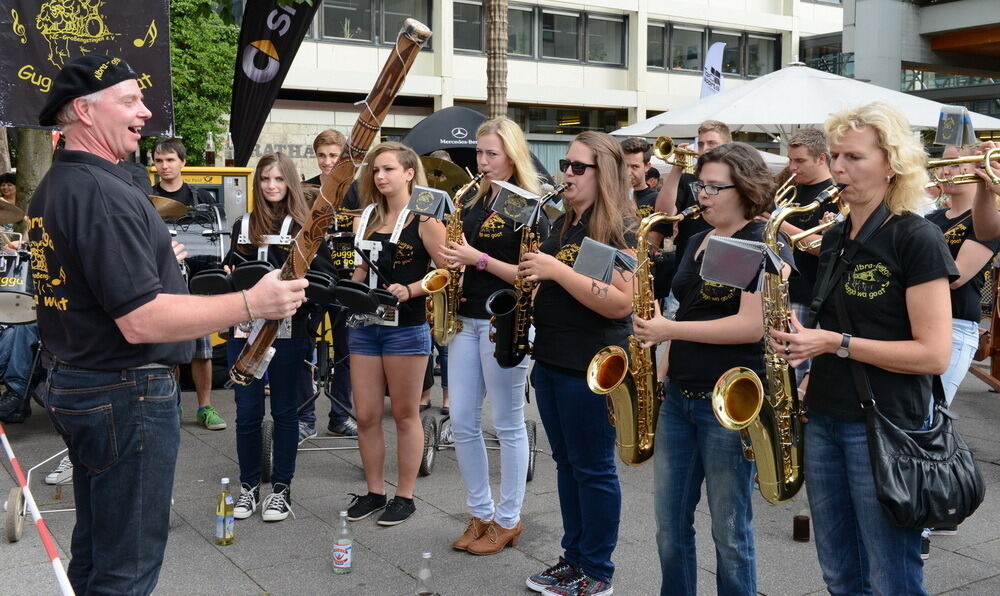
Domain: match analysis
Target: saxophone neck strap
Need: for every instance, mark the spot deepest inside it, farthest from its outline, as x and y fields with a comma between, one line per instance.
x=282, y=238
x=375, y=247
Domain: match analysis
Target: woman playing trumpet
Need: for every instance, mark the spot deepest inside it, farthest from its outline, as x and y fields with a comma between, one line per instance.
x=717, y=328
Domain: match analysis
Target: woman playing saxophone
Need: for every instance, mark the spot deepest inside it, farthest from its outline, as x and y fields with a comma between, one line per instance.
x=489, y=256
x=717, y=327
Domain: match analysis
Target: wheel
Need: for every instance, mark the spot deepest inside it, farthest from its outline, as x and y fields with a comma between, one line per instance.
x=266, y=457
x=430, y=445
x=14, y=522
x=532, y=443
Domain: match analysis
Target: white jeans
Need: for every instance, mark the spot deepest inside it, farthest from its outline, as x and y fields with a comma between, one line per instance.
x=964, y=341
x=472, y=373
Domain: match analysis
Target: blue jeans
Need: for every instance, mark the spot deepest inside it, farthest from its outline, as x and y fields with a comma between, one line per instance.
x=338, y=388
x=123, y=433
x=964, y=341
x=860, y=552
x=288, y=375
x=583, y=447
x=691, y=448
x=475, y=374
x=442, y=362
x=17, y=355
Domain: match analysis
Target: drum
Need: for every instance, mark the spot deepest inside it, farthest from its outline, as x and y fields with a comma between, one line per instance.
x=341, y=246
x=17, y=289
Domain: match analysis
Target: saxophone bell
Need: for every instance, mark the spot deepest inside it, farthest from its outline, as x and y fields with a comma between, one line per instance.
x=737, y=398
x=501, y=303
x=607, y=370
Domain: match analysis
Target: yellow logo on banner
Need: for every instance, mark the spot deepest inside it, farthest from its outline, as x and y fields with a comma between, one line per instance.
x=69, y=26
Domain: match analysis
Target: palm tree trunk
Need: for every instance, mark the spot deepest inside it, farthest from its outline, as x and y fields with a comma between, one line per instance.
x=496, y=58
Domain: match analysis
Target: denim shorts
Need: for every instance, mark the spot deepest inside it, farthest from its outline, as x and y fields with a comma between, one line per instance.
x=380, y=340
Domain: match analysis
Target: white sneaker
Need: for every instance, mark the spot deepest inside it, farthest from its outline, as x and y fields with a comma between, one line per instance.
x=277, y=505
x=62, y=474
x=247, y=503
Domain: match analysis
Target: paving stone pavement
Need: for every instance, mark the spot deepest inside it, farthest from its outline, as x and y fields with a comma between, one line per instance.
x=290, y=557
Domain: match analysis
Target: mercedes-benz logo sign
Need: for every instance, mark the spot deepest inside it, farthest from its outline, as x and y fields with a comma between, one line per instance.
x=459, y=133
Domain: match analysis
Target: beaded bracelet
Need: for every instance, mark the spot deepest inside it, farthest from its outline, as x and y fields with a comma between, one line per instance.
x=246, y=301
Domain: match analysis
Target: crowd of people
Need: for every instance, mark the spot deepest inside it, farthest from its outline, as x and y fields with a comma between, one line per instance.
x=910, y=281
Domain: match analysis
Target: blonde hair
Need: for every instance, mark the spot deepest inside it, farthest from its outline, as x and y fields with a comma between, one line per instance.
x=371, y=195
x=516, y=148
x=613, y=211
x=901, y=147
x=266, y=217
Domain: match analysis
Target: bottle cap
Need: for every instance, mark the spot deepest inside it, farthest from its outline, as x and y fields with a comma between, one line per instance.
x=225, y=481
x=343, y=514
x=426, y=554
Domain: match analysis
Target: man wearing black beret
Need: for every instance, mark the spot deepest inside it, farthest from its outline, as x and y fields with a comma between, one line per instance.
x=114, y=312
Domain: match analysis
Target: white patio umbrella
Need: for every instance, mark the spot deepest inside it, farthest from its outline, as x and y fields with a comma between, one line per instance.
x=784, y=100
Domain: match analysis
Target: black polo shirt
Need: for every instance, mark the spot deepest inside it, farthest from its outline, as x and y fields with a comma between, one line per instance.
x=965, y=300
x=697, y=366
x=98, y=252
x=907, y=251
x=567, y=333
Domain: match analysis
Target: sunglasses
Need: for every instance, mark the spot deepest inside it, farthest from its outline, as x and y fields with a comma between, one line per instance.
x=710, y=189
x=578, y=166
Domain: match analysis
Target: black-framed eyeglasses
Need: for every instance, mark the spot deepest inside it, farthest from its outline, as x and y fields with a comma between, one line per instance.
x=578, y=166
x=710, y=189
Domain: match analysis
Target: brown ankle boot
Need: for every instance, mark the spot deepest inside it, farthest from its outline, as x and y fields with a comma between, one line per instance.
x=473, y=531
x=495, y=538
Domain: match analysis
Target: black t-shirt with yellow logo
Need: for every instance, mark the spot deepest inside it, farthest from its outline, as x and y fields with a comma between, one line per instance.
x=567, y=333
x=645, y=204
x=907, y=251
x=965, y=301
x=98, y=252
x=494, y=235
x=405, y=263
x=697, y=366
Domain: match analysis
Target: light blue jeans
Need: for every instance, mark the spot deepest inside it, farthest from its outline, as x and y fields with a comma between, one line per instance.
x=692, y=448
x=860, y=552
x=473, y=373
x=964, y=341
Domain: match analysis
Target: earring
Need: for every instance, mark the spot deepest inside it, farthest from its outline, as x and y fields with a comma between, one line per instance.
x=888, y=179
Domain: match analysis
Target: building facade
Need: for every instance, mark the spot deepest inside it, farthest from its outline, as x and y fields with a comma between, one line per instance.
x=572, y=66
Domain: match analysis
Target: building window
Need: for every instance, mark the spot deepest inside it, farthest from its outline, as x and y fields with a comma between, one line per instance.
x=762, y=55
x=656, y=36
x=686, y=47
x=560, y=35
x=519, y=31
x=394, y=12
x=348, y=19
x=731, y=63
x=606, y=39
x=469, y=26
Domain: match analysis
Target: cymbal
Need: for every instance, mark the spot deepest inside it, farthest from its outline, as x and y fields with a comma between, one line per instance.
x=443, y=174
x=10, y=213
x=168, y=208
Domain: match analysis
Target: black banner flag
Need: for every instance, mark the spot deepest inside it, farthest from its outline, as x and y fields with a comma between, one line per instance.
x=269, y=39
x=37, y=38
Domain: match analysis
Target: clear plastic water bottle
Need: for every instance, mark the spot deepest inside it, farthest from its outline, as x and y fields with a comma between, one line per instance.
x=224, y=520
x=425, y=585
x=342, y=547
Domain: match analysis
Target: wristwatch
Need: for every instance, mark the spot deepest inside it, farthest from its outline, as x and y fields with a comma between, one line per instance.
x=844, y=350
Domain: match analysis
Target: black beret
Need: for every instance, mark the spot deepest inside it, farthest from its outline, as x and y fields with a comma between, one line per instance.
x=83, y=76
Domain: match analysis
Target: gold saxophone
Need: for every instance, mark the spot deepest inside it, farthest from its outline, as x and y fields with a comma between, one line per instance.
x=629, y=378
x=738, y=399
x=510, y=309
x=445, y=285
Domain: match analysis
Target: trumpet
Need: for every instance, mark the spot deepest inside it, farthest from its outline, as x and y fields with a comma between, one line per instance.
x=665, y=149
x=798, y=240
x=982, y=160
x=786, y=193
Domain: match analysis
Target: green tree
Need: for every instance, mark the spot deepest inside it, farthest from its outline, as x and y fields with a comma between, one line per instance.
x=202, y=54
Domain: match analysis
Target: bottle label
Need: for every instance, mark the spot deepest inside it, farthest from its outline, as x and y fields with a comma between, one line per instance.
x=342, y=556
x=220, y=527
x=229, y=523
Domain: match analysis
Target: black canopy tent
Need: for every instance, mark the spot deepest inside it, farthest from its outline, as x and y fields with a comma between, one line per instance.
x=454, y=130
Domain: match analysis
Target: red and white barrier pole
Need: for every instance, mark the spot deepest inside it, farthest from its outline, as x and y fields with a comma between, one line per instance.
x=43, y=530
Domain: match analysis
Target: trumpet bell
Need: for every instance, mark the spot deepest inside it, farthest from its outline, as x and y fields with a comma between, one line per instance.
x=607, y=369
x=665, y=149
x=737, y=398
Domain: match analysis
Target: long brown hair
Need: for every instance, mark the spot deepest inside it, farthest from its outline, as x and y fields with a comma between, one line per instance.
x=753, y=180
x=516, y=148
x=266, y=217
x=371, y=195
x=613, y=211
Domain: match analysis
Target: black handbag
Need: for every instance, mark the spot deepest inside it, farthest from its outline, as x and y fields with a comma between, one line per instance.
x=923, y=478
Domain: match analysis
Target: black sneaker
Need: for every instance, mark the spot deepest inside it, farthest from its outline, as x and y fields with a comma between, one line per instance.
x=277, y=505
x=552, y=576
x=343, y=428
x=397, y=511
x=944, y=531
x=925, y=548
x=247, y=502
x=363, y=506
